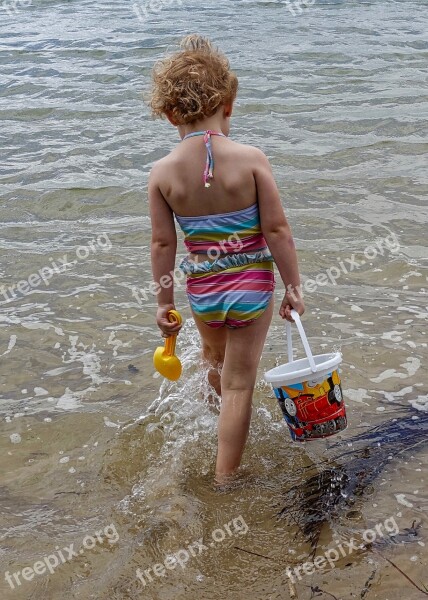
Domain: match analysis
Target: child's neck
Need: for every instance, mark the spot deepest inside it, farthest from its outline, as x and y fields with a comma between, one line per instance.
x=213, y=123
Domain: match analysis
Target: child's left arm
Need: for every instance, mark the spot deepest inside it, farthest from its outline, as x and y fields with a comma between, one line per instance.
x=163, y=251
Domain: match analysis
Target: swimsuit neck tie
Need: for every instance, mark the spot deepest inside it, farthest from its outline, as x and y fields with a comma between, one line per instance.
x=209, y=168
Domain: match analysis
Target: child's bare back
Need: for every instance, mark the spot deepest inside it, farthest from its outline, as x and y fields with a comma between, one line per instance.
x=179, y=177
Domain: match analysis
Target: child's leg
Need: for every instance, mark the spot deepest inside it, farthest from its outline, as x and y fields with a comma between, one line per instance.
x=213, y=349
x=243, y=351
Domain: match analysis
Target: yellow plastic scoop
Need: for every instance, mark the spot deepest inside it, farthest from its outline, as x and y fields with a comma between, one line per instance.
x=164, y=358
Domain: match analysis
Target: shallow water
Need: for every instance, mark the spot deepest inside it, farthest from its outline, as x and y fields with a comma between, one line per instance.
x=91, y=440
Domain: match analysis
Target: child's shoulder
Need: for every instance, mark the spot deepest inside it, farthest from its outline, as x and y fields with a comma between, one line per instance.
x=252, y=154
x=252, y=151
x=161, y=166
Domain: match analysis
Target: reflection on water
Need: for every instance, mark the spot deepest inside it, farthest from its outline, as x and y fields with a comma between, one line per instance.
x=337, y=98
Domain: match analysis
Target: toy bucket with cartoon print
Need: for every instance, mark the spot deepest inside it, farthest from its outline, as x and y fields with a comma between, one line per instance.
x=309, y=391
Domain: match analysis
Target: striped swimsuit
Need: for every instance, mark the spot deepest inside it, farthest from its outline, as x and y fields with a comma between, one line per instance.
x=234, y=287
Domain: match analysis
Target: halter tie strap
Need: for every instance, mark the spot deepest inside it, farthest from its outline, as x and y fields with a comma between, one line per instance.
x=209, y=167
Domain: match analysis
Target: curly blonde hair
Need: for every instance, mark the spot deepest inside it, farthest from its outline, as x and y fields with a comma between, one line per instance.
x=192, y=83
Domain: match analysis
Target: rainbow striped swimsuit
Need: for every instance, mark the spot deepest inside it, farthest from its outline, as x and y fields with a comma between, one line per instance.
x=235, y=286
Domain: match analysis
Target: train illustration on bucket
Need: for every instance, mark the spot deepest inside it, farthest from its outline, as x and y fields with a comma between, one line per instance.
x=313, y=409
x=309, y=390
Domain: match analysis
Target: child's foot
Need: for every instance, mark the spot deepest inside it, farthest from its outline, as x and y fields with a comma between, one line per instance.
x=226, y=482
x=213, y=401
x=212, y=397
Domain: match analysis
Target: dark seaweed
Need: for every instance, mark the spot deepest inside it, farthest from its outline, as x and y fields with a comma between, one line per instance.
x=329, y=492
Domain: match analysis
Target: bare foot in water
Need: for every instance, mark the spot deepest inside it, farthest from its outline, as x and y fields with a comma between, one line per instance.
x=212, y=399
x=227, y=482
x=224, y=481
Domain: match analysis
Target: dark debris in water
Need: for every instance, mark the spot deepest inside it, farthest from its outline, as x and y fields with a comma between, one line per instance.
x=309, y=503
x=408, y=534
x=333, y=490
x=133, y=369
x=337, y=489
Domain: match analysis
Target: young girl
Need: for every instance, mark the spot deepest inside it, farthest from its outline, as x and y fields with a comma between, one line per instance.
x=234, y=227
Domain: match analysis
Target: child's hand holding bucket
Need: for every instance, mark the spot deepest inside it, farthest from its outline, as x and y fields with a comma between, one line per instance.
x=292, y=300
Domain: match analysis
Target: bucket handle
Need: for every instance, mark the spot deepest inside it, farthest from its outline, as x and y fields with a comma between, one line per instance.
x=304, y=339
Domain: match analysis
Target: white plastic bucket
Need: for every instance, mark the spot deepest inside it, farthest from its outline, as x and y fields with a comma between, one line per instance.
x=309, y=390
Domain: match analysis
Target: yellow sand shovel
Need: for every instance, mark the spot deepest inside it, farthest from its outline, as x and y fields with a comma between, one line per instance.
x=164, y=358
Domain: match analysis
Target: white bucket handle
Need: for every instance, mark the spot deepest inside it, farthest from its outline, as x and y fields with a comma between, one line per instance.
x=302, y=333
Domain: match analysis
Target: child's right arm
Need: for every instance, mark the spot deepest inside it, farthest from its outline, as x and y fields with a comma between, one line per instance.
x=278, y=236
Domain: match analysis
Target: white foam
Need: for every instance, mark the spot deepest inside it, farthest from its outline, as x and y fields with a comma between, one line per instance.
x=411, y=366
x=112, y=341
x=71, y=400
x=401, y=499
x=391, y=396
x=46, y=326
x=358, y=395
x=410, y=274
x=393, y=336
x=88, y=356
x=12, y=342
x=420, y=403
x=39, y=391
